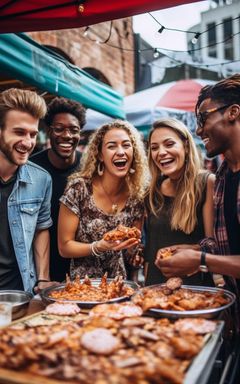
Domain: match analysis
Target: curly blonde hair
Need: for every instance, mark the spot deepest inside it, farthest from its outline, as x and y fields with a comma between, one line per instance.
x=136, y=182
x=190, y=185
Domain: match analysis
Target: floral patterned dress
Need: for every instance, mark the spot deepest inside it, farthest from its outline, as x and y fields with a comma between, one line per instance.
x=93, y=224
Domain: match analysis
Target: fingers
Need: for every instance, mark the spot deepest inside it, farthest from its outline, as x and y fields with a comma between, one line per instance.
x=126, y=244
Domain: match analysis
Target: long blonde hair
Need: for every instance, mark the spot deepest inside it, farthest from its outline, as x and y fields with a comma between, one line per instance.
x=190, y=185
x=136, y=182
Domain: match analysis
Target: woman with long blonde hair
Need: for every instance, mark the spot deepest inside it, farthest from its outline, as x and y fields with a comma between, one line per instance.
x=108, y=191
x=180, y=197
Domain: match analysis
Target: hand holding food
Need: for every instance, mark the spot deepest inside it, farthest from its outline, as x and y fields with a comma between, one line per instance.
x=122, y=233
x=117, y=239
x=164, y=253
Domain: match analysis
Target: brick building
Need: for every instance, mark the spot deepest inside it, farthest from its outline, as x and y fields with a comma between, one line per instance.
x=87, y=48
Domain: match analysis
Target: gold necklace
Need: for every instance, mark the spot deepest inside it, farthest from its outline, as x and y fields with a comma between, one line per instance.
x=115, y=206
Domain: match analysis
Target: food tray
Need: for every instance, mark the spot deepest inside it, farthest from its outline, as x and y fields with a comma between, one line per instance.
x=86, y=304
x=197, y=372
x=210, y=313
x=202, y=365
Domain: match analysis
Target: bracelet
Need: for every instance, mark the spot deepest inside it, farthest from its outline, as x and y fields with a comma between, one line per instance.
x=40, y=281
x=94, y=250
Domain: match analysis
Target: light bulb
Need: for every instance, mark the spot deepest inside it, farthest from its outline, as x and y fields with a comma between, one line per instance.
x=195, y=38
x=161, y=29
x=85, y=33
x=156, y=53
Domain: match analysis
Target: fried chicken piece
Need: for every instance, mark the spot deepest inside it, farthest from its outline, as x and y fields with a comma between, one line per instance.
x=87, y=281
x=165, y=253
x=122, y=233
x=104, y=285
x=174, y=283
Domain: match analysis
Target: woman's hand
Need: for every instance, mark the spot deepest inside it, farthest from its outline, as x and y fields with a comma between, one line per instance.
x=118, y=245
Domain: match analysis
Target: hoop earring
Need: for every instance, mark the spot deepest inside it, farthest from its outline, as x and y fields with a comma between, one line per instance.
x=132, y=171
x=100, y=169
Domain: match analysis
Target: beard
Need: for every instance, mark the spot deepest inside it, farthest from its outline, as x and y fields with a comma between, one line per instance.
x=12, y=156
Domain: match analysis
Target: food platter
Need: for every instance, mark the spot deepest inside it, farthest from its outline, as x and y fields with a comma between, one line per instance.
x=208, y=313
x=146, y=349
x=47, y=299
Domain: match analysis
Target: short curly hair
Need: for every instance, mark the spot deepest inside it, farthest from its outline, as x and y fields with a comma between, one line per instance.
x=137, y=182
x=62, y=105
x=226, y=91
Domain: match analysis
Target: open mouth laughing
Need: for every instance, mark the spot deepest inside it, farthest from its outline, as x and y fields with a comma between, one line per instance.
x=166, y=162
x=120, y=164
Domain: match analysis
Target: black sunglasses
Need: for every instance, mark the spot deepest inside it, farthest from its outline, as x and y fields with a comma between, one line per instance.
x=202, y=116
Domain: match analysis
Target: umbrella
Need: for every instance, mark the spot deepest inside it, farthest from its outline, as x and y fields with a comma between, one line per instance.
x=175, y=99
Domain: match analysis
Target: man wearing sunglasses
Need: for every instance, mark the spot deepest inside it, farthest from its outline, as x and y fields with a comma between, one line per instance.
x=64, y=121
x=218, y=124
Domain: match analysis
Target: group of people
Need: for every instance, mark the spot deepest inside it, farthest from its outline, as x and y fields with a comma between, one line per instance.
x=56, y=208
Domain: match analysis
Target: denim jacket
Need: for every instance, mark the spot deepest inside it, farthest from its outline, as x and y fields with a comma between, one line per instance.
x=29, y=207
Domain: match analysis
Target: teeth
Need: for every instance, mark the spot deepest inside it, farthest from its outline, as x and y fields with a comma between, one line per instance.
x=65, y=145
x=166, y=161
x=206, y=140
x=20, y=150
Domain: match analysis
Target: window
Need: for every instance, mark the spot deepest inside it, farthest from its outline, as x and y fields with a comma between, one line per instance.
x=212, y=51
x=227, y=35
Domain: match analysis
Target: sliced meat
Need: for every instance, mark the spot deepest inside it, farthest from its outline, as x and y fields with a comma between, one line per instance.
x=62, y=309
x=99, y=341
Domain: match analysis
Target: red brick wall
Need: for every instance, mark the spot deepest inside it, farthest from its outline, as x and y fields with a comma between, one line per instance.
x=116, y=65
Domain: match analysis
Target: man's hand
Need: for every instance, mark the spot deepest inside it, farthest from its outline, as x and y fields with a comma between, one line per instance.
x=183, y=262
x=44, y=284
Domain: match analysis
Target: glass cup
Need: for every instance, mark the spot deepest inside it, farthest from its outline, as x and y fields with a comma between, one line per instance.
x=5, y=313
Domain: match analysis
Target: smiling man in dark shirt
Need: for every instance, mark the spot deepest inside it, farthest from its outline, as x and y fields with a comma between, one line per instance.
x=64, y=120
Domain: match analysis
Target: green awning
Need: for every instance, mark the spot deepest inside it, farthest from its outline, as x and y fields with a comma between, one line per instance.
x=26, y=60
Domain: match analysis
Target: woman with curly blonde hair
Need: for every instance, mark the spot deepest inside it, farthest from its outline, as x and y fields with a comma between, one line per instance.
x=108, y=191
x=180, y=197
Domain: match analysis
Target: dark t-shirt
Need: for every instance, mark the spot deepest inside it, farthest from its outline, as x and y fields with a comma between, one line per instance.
x=59, y=266
x=10, y=277
x=160, y=235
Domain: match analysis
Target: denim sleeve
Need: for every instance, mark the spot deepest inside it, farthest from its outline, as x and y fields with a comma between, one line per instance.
x=44, y=217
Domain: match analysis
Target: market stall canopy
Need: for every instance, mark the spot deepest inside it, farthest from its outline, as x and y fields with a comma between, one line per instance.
x=26, y=60
x=175, y=99
x=40, y=15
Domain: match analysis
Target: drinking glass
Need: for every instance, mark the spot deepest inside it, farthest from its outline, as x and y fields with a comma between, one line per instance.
x=5, y=313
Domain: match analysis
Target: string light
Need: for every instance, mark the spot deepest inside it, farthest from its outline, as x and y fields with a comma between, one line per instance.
x=97, y=41
x=157, y=50
x=156, y=54
x=195, y=38
x=85, y=33
x=161, y=29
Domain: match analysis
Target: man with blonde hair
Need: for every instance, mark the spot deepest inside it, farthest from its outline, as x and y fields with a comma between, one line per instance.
x=25, y=194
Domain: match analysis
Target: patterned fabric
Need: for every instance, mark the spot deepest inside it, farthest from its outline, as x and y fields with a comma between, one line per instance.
x=220, y=232
x=93, y=223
